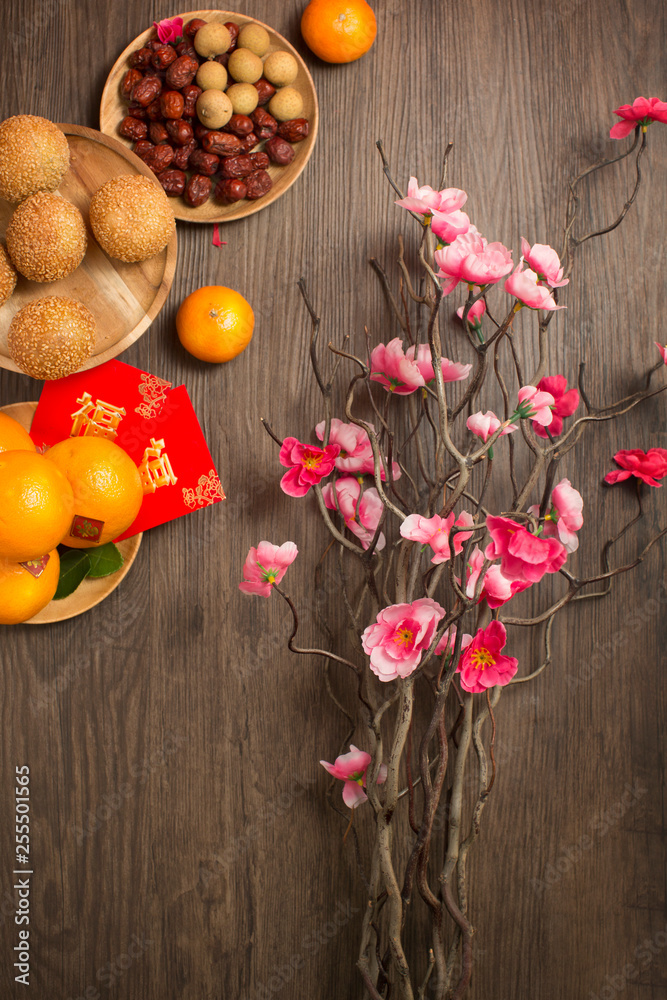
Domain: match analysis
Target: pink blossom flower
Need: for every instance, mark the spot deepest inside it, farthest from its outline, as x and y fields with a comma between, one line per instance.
x=648, y=466
x=216, y=241
x=351, y=769
x=663, y=350
x=308, y=465
x=525, y=286
x=169, y=30
x=642, y=111
x=535, y=404
x=475, y=313
x=523, y=556
x=545, y=262
x=448, y=225
x=486, y=424
x=400, y=635
x=452, y=371
x=266, y=565
x=425, y=200
x=565, y=517
x=356, y=454
x=361, y=511
x=392, y=369
x=448, y=641
x=496, y=588
x=482, y=665
x=435, y=531
x=565, y=403
x=473, y=259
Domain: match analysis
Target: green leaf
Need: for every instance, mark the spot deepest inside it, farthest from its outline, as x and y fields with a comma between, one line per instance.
x=74, y=567
x=104, y=560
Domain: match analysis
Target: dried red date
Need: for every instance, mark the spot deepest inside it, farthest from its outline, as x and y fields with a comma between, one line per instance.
x=230, y=191
x=186, y=48
x=141, y=58
x=154, y=44
x=164, y=56
x=221, y=143
x=182, y=155
x=261, y=161
x=142, y=147
x=279, y=151
x=146, y=90
x=201, y=131
x=197, y=190
x=182, y=72
x=257, y=185
x=193, y=26
x=233, y=30
x=294, y=130
x=190, y=95
x=173, y=182
x=136, y=111
x=133, y=128
x=265, y=124
x=223, y=59
x=204, y=163
x=130, y=80
x=154, y=110
x=171, y=104
x=157, y=133
x=265, y=90
x=240, y=125
x=180, y=132
x=248, y=143
x=236, y=166
x=158, y=158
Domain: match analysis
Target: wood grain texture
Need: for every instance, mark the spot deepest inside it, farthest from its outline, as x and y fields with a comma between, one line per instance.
x=173, y=742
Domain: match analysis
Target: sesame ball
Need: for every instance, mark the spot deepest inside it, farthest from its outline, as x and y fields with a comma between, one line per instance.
x=7, y=276
x=51, y=337
x=46, y=237
x=131, y=217
x=34, y=156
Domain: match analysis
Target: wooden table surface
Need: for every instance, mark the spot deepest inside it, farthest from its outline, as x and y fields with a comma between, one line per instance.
x=182, y=844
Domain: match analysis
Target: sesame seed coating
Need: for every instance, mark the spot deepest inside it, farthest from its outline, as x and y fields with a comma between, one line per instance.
x=46, y=237
x=34, y=155
x=7, y=276
x=131, y=218
x=51, y=337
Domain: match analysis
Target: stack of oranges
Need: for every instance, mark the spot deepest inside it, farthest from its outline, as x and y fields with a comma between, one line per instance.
x=83, y=492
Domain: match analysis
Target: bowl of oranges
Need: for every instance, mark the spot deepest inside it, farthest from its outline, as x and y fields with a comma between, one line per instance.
x=60, y=512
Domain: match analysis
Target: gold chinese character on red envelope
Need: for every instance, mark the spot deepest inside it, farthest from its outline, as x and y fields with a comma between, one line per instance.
x=155, y=468
x=98, y=419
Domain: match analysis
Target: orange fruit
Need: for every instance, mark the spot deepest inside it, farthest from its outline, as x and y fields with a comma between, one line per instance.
x=338, y=31
x=22, y=594
x=36, y=504
x=215, y=323
x=13, y=437
x=107, y=489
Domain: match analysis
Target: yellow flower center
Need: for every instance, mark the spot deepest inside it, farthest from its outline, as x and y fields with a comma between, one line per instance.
x=482, y=658
x=403, y=637
x=310, y=460
x=270, y=578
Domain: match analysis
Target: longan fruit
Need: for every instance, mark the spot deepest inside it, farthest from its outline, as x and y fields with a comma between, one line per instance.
x=212, y=40
x=286, y=104
x=281, y=68
x=211, y=75
x=244, y=66
x=244, y=98
x=254, y=37
x=214, y=109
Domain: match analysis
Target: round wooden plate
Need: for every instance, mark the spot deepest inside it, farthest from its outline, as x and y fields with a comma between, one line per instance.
x=123, y=298
x=113, y=110
x=90, y=592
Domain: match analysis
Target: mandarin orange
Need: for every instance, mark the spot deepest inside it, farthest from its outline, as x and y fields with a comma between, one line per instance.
x=338, y=31
x=36, y=505
x=215, y=323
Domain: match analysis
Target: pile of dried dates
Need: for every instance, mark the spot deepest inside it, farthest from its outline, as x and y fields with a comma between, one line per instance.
x=189, y=159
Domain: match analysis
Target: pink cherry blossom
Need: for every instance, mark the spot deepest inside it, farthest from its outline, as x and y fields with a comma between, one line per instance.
x=663, y=350
x=401, y=633
x=361, y=513
x=266, y=565
x=448, y=641
x=482, y=664
x=525, y=286
x=545, y=262
x=169, y=30
x=392, y=369
x=435, y=531
x=308, y=465
x=351, y=769
x=356, y=454
x=473, y=259
x=648, y=466
x=496, y=588
x=452, y=371
x=523, y=556
x=475, y=313
x=425, y=200
x=486, y=424
x=565, y=518
x=642, y=111
x=448, y=225
x=535, y=404
x=565, y=403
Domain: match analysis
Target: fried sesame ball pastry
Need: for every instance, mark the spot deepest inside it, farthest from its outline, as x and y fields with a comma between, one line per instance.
x=34, y=156
x=51, y=337
x=131, y=218
x=7, y=276
x=46, y=237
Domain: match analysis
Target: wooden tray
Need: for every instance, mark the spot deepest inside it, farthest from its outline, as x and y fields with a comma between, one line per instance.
x=113, y=110
x=90, y=592
x=123, y=298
